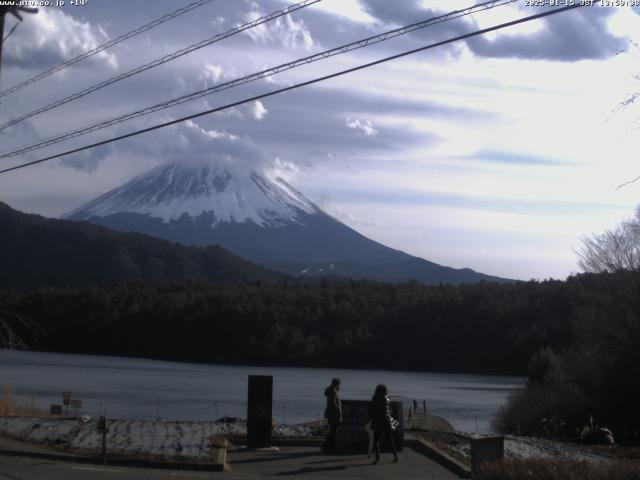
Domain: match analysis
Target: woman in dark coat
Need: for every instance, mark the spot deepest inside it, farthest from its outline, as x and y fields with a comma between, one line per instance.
x=381, y=422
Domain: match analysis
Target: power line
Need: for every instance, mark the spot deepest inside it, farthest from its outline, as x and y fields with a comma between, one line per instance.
x=257, y=76
x=164, y=59
x=13, y=29
x=106, y=45
x=298, y=85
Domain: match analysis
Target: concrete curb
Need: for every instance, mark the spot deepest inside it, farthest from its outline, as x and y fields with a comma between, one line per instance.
x=428, y=449
x=219, y=466
x=283, y=442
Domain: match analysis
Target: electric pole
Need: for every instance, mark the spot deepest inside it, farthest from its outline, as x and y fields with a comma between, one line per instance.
x=3, y=11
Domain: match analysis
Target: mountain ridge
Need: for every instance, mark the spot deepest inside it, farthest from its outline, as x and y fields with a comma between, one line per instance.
x=43, y=252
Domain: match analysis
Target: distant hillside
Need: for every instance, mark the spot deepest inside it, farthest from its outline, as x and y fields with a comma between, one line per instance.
x=37, y=251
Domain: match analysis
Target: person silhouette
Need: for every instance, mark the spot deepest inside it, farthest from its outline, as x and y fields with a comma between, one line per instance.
x=333, y=414
x=382, y=423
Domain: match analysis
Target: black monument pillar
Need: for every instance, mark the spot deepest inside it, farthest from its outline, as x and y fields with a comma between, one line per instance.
x=259, y=416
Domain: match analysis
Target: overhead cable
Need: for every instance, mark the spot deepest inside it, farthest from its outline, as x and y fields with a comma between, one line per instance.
x=257, y=76
x=296, y=86
x=105, y=45
x=165, y=59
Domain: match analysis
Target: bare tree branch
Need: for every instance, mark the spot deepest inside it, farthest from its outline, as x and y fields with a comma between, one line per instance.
x=612, y=250
x=10, y=323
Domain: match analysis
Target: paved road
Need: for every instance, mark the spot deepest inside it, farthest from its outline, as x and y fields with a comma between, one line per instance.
x=291, y=462
x=310, y=464
x=21, y=468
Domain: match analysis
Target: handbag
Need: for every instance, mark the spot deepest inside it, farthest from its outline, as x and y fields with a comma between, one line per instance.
x=394, y=423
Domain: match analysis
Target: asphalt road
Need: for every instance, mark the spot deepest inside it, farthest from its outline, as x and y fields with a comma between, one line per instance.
x=21, y=468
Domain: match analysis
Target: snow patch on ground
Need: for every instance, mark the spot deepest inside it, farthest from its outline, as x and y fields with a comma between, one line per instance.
x=189, y=441
x=533, y=447
x=192, y=441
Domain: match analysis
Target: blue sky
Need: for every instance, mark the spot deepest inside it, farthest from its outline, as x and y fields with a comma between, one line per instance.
x=497, y=154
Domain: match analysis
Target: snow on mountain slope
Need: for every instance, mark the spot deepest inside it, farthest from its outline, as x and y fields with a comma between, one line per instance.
x=169, y=191
x=261, y=219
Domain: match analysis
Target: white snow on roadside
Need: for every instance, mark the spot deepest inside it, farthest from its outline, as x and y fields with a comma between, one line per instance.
x=175, y=440
x=169, y=439
x=534, y=447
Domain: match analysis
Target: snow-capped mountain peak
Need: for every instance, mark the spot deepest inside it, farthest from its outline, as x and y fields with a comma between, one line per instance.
x=262, y=219
x=173, y=190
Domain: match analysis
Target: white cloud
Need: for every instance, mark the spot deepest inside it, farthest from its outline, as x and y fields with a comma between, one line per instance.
x=213, y=72
x=365, y=127
x=258, y=111
x=210, y=133
x=285, y=31
x=51, y=37
x=351, y=9
x=296, y=34
x=286, y=165
x=218, y=22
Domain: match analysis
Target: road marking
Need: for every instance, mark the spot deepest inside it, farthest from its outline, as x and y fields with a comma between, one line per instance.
x=96, y=469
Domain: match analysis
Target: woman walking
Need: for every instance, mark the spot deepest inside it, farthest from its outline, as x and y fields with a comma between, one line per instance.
x=382, y=422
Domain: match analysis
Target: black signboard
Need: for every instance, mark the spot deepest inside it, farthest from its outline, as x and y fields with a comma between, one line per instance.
x=356, y=412
x=259, y=405
x=55, y=409
x=352, y=436
x=485, y=449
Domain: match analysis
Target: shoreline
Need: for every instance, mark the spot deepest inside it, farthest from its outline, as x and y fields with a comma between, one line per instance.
x=502, y=375
x=150, y=389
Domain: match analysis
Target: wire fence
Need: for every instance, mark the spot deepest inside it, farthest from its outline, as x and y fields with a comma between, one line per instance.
x=224, y=412
x=24, y=403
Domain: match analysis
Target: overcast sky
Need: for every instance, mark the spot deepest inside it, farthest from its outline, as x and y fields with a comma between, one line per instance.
x=498, y=153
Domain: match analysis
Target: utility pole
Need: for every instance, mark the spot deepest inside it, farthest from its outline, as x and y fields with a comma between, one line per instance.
x=103, y=429
x=3, y=11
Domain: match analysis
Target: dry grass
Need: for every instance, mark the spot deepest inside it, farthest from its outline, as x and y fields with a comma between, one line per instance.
x=539, y=469
x=12, y=406
x=7, y=403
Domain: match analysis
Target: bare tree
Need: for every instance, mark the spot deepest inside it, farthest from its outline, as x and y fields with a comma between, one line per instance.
x=10, y=323
x=615, y=249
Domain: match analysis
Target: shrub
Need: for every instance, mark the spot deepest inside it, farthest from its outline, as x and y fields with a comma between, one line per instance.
x=549, y=410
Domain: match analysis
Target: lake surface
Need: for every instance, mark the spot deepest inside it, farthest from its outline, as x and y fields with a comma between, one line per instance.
x=145, y=389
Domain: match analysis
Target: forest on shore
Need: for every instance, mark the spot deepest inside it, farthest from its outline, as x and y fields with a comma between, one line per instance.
x=482, y=328
x=577, y=340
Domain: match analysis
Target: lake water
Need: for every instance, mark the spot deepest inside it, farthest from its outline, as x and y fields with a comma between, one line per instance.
x=145, y=389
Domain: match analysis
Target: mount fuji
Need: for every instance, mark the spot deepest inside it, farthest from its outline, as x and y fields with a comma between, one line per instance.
x=262, y=219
